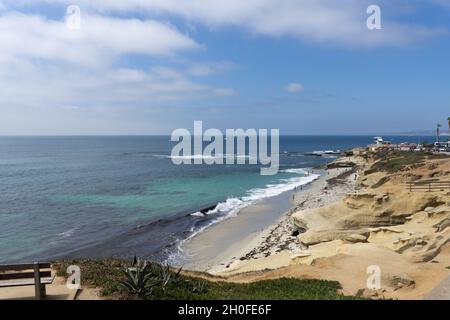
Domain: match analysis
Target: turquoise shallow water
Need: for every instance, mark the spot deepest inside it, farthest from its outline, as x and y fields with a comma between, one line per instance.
x=94, y=196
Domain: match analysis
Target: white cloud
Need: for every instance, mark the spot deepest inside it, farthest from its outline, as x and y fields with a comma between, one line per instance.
x=201, y=69
x=40, y=86
x=99, y=39
x=341, y=23
x=294, y=87
x=71, y=99
x=49, y=69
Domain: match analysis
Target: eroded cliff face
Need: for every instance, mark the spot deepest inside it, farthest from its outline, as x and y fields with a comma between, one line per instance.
x=385, y=212
x=406, y=234
x=383, y=217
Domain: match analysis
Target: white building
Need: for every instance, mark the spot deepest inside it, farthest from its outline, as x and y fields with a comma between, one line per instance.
x=378, y=140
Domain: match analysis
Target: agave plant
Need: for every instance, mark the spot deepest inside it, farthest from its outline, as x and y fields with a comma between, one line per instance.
x=162, y=274
x=143, y=277
x=139, y=279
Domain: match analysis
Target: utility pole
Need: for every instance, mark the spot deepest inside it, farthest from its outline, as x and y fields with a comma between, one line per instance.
x=438, y=133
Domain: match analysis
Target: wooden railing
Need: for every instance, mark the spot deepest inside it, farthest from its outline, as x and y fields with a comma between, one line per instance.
x=429, y=186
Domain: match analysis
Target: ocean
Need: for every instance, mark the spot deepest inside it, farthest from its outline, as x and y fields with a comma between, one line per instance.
x=122, y=196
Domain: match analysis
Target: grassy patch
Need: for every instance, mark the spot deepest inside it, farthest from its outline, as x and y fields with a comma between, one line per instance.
x=401, y=161
x=394, y=161
x=102, y=274
x=106, y=274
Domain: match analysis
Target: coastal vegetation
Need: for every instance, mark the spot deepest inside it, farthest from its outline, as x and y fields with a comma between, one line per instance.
x=394, y=161
x=125, y=280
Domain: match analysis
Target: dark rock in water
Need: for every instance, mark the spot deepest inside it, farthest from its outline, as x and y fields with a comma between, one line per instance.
x=322, y=153
x=206, y=210
x=313, y=154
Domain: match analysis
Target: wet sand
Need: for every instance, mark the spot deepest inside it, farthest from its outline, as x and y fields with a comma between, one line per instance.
x=259, y=230
x=226, y=240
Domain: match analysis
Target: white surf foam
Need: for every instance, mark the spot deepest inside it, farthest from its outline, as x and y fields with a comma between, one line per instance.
x=253, y=195
x=198, y=214
x=297, y=171
x=277, y=189
x=221, y=207
x=230, y=207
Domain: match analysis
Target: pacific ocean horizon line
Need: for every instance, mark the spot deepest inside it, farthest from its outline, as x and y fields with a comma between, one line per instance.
x=168, y=135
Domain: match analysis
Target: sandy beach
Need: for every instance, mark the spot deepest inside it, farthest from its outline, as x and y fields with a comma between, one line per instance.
x=264, y=228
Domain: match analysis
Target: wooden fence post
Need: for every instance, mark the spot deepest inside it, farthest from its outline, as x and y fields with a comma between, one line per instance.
x=37, y=282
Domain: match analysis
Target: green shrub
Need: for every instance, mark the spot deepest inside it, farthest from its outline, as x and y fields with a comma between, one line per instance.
x=172, y=284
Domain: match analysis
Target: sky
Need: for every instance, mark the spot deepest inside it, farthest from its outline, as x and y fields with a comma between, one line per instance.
x=152, y=66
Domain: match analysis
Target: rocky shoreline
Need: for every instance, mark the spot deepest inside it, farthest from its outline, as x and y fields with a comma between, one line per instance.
x=360, y=214
x=283, y=235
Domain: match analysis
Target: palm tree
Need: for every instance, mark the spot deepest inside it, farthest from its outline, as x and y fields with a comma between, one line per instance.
x=448, y=119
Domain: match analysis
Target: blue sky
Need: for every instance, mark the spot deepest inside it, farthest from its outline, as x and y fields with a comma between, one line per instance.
x=149, y=67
